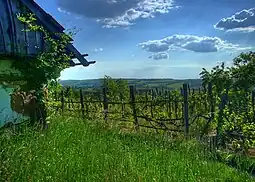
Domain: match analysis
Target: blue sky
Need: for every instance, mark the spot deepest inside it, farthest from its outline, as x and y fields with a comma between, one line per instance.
x=155, y=38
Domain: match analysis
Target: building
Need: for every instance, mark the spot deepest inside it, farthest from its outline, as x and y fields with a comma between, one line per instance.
x=15, y=41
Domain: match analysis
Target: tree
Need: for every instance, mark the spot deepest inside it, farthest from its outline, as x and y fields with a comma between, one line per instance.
x=241, y=75
x=238, y=114
x=243, y=71
x=117, y=89
x=219, y=76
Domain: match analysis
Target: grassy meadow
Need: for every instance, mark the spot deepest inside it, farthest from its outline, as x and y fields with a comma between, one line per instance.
x=76, y=150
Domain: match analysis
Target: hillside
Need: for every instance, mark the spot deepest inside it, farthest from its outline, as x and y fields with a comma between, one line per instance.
x=80, y=150
x=140, y=83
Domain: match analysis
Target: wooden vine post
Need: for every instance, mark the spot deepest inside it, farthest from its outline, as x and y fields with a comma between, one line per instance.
x=62, y=101
x=86, y=104
x=223, y=103
x=253, y=102
x=211, y=101
x=146, y=100
x=105, y=103
x=82, y=103
x=152, y=99
x=122, y=104
x=132, y=102
x=169, y=104
x=186, y=112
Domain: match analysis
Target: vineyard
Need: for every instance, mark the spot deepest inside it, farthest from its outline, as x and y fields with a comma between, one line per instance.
x=226, y=116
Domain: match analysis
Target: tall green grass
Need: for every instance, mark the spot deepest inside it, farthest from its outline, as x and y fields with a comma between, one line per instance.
x=75, y=150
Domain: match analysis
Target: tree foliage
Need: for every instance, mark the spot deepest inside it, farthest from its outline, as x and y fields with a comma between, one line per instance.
x=117, y=89
x=241, y=75
x=48, y=64
x=233, y=86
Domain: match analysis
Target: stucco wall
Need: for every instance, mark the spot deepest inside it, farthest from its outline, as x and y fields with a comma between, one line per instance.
x=6, y=113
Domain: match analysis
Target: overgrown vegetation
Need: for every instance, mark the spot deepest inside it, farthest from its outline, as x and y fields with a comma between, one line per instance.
x=35, y=71
x=225, y=107
x=47, y=64
x=228, y=109
x=228, y=102
x=233, y=89
x=77, y=150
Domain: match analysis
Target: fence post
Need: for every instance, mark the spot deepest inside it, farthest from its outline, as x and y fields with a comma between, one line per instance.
x=212, y=109
x=86, y=105
x=132, y=99
x=82, y=102
x=122, y=104
x=146, y=100
x=253, y=102
x=62, y=100
x=105, y=103
x=152, y=99
x=69, y=99
x=220, y=119
x=186, y=112
x=169, y=105
x=176, y=106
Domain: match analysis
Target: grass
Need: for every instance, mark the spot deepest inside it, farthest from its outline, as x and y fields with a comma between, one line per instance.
x=75, y=150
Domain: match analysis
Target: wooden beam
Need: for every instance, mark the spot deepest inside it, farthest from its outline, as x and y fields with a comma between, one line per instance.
x=53, y=26
x=84, y=55
x=90, y=62
x=77, y=55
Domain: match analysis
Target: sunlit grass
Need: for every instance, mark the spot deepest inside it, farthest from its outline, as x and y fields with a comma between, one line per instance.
x=75, y=150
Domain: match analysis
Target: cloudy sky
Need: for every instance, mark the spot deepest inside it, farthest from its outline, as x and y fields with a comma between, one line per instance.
x=155, y=38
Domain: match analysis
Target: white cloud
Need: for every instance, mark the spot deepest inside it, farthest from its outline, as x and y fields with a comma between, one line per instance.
x=192, y=43
x=98, y=49
x=159, y=56
x=155, y=46
x=116, y=13
x=241, y=21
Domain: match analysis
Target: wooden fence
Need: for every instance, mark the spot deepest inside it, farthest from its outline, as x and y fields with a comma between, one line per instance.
x=179, y=110
x=185, y=111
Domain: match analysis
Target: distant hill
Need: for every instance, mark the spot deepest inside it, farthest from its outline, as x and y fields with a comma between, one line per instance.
x=140, y=83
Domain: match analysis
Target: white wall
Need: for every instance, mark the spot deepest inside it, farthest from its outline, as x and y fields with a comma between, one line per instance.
x=6, y=113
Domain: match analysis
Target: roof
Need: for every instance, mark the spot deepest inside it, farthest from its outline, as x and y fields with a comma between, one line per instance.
x=14, y=40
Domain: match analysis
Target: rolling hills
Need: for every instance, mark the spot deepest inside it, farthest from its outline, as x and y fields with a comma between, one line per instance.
x=140, y=83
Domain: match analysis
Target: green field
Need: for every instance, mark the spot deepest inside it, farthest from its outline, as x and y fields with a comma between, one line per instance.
x=77, y=150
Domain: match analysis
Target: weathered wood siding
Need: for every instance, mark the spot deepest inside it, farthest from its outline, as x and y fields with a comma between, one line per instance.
x=13, y=39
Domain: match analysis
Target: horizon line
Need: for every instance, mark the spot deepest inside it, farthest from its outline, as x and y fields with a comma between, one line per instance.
x=133, y=79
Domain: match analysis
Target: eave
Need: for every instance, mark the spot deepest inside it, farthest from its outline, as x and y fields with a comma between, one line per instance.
x=49, y=23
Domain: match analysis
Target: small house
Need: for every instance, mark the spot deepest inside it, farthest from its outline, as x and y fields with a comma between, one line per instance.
x=15, y=41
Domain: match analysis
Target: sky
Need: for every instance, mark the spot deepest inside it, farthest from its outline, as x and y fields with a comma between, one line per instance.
x=154, y=38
